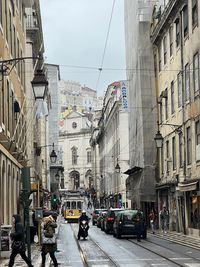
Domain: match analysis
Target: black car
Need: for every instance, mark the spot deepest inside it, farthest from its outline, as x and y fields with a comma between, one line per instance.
x=109, y=218
x=95, y=215
x=126, y=224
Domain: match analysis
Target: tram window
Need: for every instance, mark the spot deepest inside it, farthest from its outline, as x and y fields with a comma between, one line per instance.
x=73, y=204
x=79, y=206
x=67, y=205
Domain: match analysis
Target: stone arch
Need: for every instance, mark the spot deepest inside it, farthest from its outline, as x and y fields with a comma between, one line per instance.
x=75, y=177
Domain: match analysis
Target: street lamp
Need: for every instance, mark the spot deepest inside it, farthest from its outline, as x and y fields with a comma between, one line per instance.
x=39, y=84
x=53, y=155
x=57, y=176
x=117, y=167
x=158, y=139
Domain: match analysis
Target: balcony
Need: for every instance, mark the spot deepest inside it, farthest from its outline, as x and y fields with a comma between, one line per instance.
x=32, y=23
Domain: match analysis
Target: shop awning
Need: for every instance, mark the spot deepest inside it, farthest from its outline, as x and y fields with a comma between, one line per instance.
x=133, y=170
x=183, y=187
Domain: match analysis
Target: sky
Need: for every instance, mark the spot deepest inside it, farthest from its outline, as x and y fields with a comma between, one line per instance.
x=75, y=34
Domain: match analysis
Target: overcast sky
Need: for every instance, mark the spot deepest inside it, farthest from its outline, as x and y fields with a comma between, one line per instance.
x=75, y=34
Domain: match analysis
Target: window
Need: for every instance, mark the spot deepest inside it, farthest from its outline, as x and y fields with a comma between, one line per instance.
x=189, y=145
x=165, y=49
x=185, y=20
x=187, y=82
x=171, y=40
x=179, y=83
x=74, y=155
x=197, y=132
x=162, y=160
x=166, y=105
x=174, y=152
x=194, y=13
x=1, y=13
x=167, y=155
x=180, y=136
x=6, y=19
x=161, y=112
x=74, y=125
x=177, y=32
x=10, y=33
x=89, y=157
x=2, y=104
x=159, y=59
x=196, y=72
x=8, y=105
x=172, y=98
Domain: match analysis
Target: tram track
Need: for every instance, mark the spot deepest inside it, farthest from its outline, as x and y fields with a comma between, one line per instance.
x=86, y=262
x=161, y=254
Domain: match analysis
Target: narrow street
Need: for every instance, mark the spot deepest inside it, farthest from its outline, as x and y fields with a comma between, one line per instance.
x=101, y=249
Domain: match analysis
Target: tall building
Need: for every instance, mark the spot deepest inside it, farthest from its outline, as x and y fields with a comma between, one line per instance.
x=110, y=145
x=17, y=32
x=142, y=106
x=175, y=36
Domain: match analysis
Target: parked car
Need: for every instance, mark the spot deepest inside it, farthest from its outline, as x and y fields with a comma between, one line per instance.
x=125, y=224
x=100, y=218
x=109, y=218
x=95, y=215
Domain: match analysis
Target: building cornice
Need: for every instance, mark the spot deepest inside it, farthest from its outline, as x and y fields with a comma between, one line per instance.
x=167, y=17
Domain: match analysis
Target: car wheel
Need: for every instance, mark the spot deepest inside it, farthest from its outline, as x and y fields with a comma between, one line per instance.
x=114, y=235
x=93, y=223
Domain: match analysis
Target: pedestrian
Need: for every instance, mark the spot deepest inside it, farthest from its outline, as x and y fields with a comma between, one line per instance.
x=89, y=204
x=164, y=219
x=18, y=241
x=32, y=227
x=139, y=219
x=152, y=218
x=49, y=244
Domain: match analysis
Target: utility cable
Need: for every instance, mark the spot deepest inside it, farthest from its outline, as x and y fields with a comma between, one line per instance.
x=106, y=42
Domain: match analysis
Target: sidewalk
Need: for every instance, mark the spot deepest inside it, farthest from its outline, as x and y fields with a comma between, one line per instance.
x=179, y=238
x=35, y=253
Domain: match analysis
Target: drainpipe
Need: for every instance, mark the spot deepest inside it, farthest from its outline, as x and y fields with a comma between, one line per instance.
x=184, y=210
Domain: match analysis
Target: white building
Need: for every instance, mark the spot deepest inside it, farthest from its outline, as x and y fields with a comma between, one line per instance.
x=112, y=141
x=74, y=142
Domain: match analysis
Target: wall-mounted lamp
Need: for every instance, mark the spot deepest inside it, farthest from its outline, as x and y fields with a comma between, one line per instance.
x=158, y=139
x=117, y=167
x=53, y=155
x=39, y=84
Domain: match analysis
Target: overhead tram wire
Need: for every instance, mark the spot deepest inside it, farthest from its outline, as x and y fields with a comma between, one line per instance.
x=106, y=42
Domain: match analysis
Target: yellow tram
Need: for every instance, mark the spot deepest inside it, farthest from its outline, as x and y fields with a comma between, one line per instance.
x=73, y=205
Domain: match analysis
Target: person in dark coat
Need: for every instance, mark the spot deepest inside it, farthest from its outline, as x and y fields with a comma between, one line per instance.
x=83, y=217
x=48, y=234
x=139, y=218
x=18, y=241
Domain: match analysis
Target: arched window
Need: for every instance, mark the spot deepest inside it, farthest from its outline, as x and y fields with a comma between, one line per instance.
x=74, y=156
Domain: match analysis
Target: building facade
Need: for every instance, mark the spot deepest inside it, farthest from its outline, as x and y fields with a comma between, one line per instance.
x=17, y=108
x=111, y=140
x=142, y=106
x=74, y=142
x=175, y=36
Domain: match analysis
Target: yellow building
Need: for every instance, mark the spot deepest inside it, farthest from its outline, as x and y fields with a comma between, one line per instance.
x=17, y=102
x=176, y=38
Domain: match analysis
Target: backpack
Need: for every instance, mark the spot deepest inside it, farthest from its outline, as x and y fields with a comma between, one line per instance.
x=48, y=231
